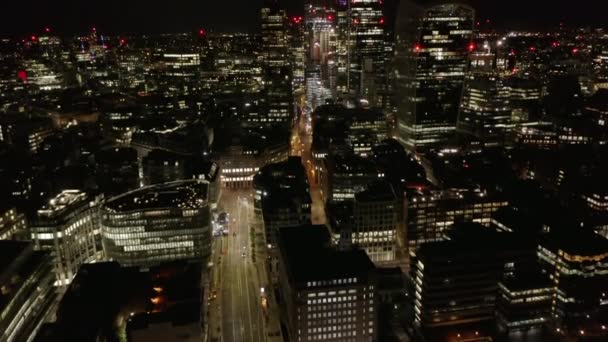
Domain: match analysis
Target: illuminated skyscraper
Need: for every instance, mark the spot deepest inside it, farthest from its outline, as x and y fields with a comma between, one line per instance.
x=433, y=45
x=366, y=62
x=278, y=72
x=320, y=22
x=322, y=41
x=274, y=50
x=485, y=111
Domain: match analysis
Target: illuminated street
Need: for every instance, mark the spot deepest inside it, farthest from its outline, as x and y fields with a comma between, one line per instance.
x=238, y=301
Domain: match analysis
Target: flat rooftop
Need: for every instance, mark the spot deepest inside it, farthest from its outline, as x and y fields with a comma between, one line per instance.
x=310, y=257
x=182, y=195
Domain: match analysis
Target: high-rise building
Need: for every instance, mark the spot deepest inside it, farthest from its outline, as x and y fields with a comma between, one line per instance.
x=433, y=45
x=320, y=20
x=68, y=227
x=343, y=33
x=327, y=294
x=297, y=50
x=28, y=294
x=277, y=74
x=274, y=49
x=279, y=105
x=158, y=223
x=485, y=111
x=366, y=50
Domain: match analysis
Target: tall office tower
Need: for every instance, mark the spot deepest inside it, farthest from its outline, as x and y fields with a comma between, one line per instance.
x=366, y=50
x=321, y=41
x=327, y=294
x=68, y=226
x=485, y=108
x=525, y=99
x=282, y=197
x=279, y=106
x=342, y=32
x=297, y=50
x=156, y=224
x=28, y=295
x=277, y=71
x=320, y=22
x=275, y=42
x=433, y=45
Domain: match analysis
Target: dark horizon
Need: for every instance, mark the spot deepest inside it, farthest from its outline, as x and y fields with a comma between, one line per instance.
x=68, y=17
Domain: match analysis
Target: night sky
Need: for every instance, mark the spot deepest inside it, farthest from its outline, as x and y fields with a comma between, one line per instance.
x=154, y=16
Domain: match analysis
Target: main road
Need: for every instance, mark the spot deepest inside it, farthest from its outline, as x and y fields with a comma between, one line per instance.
x=236, y=310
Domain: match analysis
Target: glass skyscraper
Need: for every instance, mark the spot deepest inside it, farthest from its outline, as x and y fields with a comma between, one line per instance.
x=366, y=62
x=433, y=46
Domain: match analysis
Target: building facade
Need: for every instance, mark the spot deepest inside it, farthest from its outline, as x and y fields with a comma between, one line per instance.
x=68, y=227
x=433, y=45
x=12, y=224
x=332, y=296
x=158, y=224
x=377, y=222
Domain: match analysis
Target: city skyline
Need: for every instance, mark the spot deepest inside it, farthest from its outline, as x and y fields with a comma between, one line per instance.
x=140, y=16
x=303, y=171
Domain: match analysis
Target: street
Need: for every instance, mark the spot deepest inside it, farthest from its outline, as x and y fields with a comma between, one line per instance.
x=236, y=313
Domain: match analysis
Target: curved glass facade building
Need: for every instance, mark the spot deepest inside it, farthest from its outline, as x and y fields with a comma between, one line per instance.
x=434, y=39
x=158, y=224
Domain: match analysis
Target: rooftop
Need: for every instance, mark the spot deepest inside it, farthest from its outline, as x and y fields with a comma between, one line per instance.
x=191, y=194
x=377, y=191
x=63, y=201
x=576, y=241
x=310, y=257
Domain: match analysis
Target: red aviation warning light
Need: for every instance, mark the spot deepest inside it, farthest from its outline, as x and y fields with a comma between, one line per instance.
x=330, y=17
x=22, y=75
x=47, y=29
x=417, y=48
x=472, y=47
x=202, y=32
x=381, y=21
